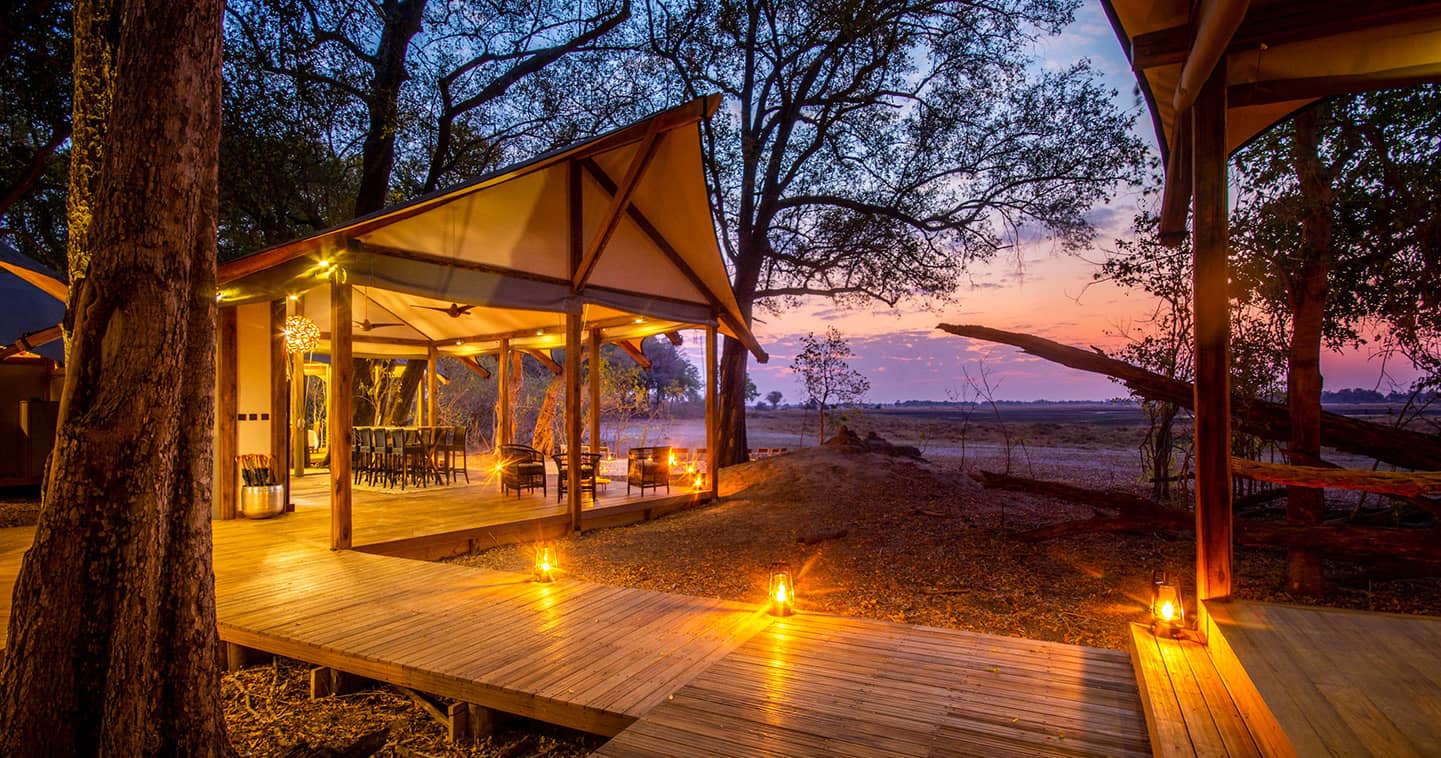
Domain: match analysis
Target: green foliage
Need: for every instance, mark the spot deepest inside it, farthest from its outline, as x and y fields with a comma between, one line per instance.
x=1381, y=154
x=35, y=61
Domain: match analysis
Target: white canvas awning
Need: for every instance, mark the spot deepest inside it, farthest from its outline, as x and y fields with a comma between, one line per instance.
x=617, y=228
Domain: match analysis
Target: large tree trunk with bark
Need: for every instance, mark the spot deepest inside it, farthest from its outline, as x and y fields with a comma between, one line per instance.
x=1399, y=447
x=112, y=642
x=544, y=437
x=398, y=404
x=1306, y=294
x=402, y=22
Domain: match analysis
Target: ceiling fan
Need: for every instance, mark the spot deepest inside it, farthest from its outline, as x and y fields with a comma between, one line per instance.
x=454, y=311
x=368, y=325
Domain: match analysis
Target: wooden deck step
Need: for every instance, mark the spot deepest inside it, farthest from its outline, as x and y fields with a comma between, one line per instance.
x=1323, y=681
x=826, y=685
x=1188, y=709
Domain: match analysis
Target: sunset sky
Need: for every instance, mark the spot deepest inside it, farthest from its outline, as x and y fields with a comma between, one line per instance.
x=1039, y=289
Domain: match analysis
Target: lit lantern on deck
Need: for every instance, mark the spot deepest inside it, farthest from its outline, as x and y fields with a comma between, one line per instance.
x=546, y=563
x=782, y=593
x=1168, y=611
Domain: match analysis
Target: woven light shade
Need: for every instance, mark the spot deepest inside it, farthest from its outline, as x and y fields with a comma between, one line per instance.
x=301, y=334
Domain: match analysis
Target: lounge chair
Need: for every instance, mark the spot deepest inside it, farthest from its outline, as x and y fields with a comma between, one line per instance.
x=521, y=467
x=647, y=467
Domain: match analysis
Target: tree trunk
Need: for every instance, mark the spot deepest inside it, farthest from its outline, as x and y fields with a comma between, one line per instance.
x=1306, y=293
x=397, y=406
x=112, y=643
x=734, y=447
x=543, y=438
x=402, y=21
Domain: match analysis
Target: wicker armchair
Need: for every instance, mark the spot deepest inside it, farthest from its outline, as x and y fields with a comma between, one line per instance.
x=589, y=464
x=647, y=467
x=521, y=467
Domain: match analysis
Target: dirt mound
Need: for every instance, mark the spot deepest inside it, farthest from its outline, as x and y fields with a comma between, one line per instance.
x=838, y=471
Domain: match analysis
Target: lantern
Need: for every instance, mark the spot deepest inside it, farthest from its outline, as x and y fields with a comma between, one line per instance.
x=546, y=563
x=301, y=334
x=1168, y=611
x=782, y=590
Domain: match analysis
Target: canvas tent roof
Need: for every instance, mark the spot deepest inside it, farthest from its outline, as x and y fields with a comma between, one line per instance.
x=1280, y=56
x=618, y=228
x=32, y=302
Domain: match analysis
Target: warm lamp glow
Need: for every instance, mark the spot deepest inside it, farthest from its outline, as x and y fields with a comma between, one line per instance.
x=782, y=594
x=1168, y=610
x=546, y=563
x=301, y=334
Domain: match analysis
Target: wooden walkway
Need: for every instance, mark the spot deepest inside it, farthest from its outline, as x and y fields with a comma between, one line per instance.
x=1315, y=681
x=825, y=685
x=1189, y=711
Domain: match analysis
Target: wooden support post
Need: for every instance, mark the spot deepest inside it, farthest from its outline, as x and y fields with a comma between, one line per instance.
x=432, y=385
x=226, y=439
x=1209, y=245
x=469, y=722
x=279, y=398
x=594, y=360
x=299, y=439
x=572, y=416
x=325, y=681
x=712, y=413
x=342, y=377
x=238, y=656
x=503, y=390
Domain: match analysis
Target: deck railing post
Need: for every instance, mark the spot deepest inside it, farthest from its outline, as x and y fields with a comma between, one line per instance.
x=279, y=396
x=502, y=385
x=594, y=381
x=572, y=416
x=227, y=352
x=299, y=440
x=338, y=424
x=1212, y=334
x=712, y=413
x=432, y=384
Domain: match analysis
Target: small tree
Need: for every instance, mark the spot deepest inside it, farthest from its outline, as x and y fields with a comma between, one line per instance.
x=774, y=398
x=826, y=376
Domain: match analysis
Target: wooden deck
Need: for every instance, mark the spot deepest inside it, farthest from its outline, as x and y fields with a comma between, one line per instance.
x=587, y=656
x=434, y=522
x=1316, y=681
x=825, y=685
x=1189, y=711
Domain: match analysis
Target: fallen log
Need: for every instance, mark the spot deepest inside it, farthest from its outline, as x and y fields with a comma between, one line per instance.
x=1398, y=447
x=1415, y=484
x=1129, y=507
x=1140, y=515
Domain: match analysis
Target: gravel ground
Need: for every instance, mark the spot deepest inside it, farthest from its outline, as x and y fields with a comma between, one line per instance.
x=268, y=712
x=921, y=543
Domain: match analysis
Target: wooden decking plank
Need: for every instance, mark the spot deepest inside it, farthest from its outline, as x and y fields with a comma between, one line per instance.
x=1164, y=720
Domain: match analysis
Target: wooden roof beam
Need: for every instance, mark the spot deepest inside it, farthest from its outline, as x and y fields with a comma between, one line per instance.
x=545, y=360
x=675, y=338
x=633, y=349
x=1280, y=22
x=471, y=363
x=31, y=340
x=619, y=204
x=1176, y=194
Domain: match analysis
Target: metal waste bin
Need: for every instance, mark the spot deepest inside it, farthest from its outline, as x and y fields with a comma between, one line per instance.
x=265, y=501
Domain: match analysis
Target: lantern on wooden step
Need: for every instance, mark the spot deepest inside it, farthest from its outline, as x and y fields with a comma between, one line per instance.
x=546, y=563
x=301, y=334
x=1168, y=611
x=782, y=593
